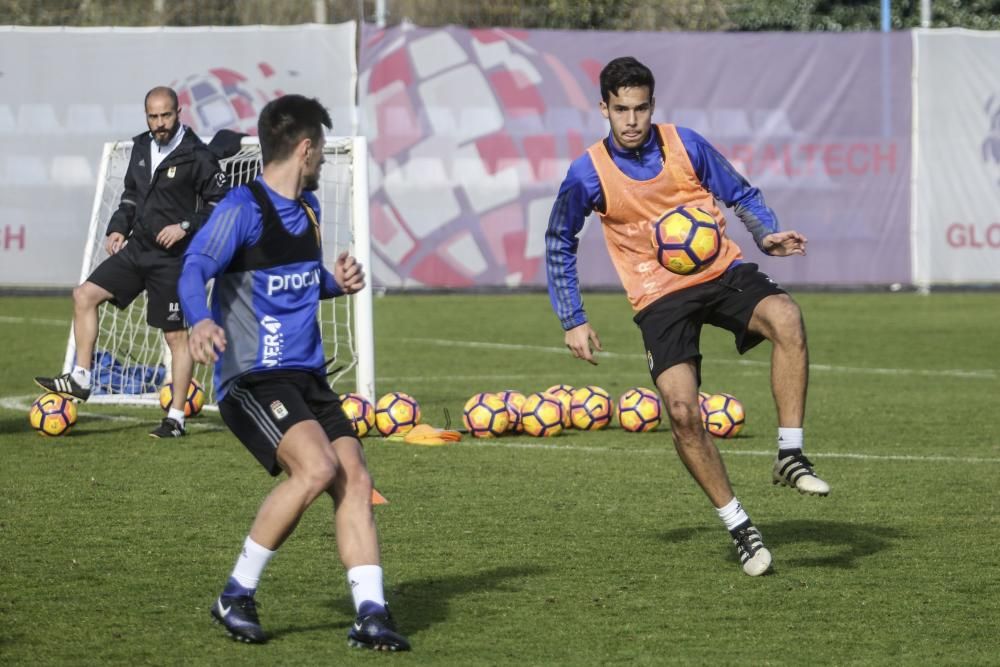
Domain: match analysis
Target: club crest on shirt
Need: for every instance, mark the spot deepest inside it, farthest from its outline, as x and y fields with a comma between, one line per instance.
x=279, y=410
x=171, y=172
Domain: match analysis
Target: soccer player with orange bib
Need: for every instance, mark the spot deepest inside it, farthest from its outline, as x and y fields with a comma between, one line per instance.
x=631, y=178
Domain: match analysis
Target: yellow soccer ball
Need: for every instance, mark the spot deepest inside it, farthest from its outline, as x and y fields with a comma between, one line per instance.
x=686, y=240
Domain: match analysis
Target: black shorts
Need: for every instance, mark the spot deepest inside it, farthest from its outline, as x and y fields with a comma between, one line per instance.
x=259, y=408
x=133, y=269
x=671, y=326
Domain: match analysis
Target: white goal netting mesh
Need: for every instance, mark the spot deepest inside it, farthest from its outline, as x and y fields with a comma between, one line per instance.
x=132, y=361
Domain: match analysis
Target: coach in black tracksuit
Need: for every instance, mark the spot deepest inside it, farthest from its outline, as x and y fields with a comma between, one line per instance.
x=172, y=183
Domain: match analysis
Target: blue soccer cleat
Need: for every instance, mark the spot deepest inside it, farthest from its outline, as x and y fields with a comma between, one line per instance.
x=374, y=629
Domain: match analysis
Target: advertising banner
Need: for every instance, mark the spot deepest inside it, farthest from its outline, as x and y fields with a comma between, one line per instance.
x=957, y=228
x=64, y=92
x=472, y=131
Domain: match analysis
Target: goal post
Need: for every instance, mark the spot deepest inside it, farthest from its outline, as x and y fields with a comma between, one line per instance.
x=131, y=360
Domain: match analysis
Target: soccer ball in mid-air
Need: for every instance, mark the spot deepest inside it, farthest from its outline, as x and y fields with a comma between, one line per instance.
x=52, y=414
x=542, y=415
x=359, y=411
x=513, y=400
x=485, y=415
x=564, y=393
x=396, y=413
x=639, y=410
x=193, y=402
x=723, y=415
x=686, y=240
x=590, y=408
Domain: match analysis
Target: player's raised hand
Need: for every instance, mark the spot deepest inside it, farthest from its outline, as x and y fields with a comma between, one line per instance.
x=206, y=340
x=349, y=274
x=781, y=244
x=114, y=242
x=582, y=341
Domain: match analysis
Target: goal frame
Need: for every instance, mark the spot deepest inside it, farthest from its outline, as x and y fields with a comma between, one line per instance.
x=361, y=320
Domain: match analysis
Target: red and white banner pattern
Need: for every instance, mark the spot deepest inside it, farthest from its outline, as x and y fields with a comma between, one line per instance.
x=472, y=131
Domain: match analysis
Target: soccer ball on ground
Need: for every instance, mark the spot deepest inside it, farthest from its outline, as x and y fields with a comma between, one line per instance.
x=396, y=413
x=485, y=415
x=686, y=240
x=359, y=411
x=52, y=414
x=564, y=393
x=590, y=408
x=723, y=415
x=513, y=400
x=639, y=410
x=542, y=415
x=193, y=402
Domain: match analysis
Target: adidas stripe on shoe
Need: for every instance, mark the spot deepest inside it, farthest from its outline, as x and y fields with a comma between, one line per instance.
x=796, y=471
x=754, y=556
x=64, y=384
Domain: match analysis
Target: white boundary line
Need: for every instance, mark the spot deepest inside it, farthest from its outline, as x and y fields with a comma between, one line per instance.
x=21, y=403
x=6, y=319
x=907, y=458
x=985, y=374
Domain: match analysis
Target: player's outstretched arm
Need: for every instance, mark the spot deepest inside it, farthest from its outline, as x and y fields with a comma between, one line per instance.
x=583, y=341
x=782, y=244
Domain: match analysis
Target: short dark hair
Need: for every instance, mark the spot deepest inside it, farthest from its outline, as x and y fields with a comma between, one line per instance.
x=161, y=90
x=625, y=72
x=286, y=121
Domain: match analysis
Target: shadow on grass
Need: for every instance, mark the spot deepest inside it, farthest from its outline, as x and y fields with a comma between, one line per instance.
x=844, y=544
x=419, y=604
x=15, y=424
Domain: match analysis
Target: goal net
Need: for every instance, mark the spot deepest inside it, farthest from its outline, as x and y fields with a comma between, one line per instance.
x=132, y=361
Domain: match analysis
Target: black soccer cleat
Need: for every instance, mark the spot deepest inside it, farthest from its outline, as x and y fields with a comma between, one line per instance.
x=64, y=385
x=168, y=428
x=374, y=629
x=238, y=615
x=754, y=556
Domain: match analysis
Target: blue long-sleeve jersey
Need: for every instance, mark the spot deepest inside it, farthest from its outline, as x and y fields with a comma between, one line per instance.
x=283, y=299
x=580, y=194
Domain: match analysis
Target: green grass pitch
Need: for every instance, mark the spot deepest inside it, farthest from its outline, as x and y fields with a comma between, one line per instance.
x=588, y=548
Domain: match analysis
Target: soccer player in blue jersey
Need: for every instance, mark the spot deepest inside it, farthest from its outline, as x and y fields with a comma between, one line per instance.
x=633, y=176
x=262, y=247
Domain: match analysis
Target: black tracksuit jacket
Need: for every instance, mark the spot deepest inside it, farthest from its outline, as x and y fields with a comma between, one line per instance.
x=186, y=186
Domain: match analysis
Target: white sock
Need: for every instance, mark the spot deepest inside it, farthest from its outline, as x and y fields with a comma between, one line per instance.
x=81, y=375
x=789, y=439
x=732, y=514
x=250, y=564
x=366, y=584
x=176, y=415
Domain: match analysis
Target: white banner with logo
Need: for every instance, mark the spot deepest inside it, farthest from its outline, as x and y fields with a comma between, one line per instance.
x=957, y=221
x=64, y=92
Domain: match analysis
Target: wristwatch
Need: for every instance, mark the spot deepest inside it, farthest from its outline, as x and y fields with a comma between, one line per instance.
x=186, y=226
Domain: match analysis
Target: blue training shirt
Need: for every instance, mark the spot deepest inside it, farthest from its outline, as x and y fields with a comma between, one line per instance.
x=269, y=314
x=580, y=194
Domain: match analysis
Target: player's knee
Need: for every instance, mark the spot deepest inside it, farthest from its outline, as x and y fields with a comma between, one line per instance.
x=788, y=325
x=359, y=482
x=319, y=477
x=685, y=420
x=176, y=339
x=83, y=297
